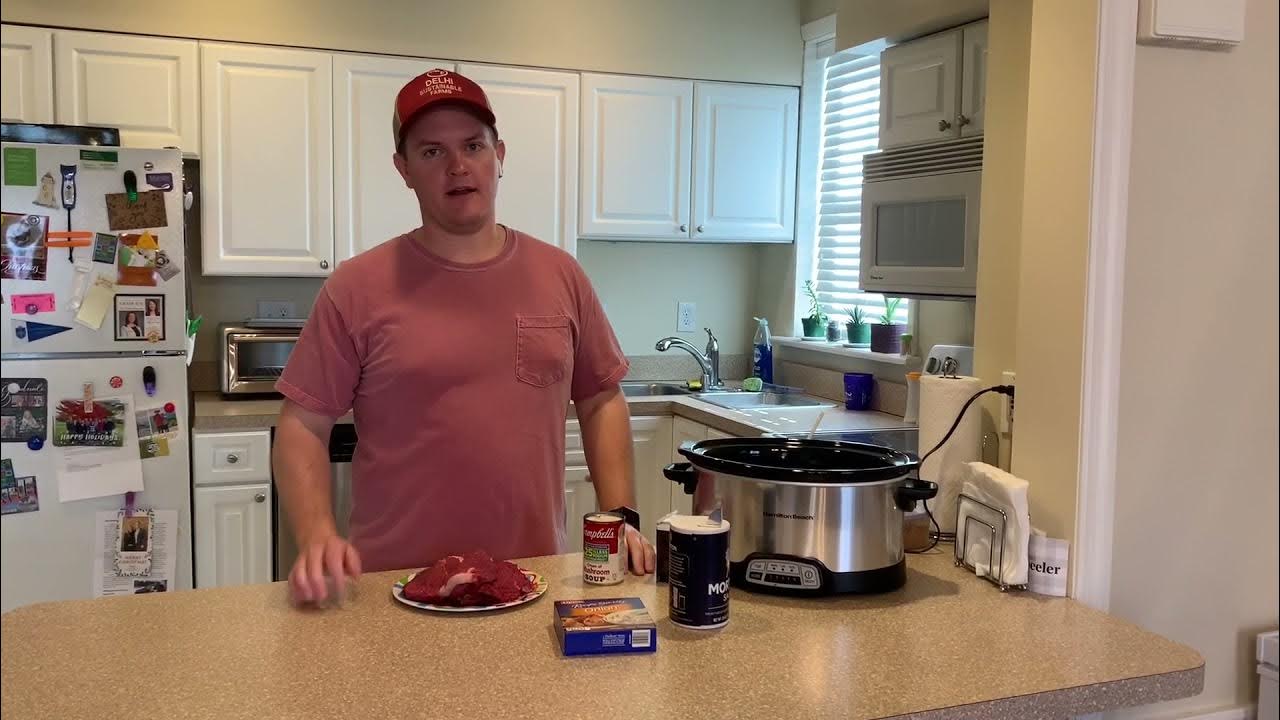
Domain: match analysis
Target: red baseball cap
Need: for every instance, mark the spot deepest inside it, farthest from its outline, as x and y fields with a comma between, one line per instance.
x=435, y=87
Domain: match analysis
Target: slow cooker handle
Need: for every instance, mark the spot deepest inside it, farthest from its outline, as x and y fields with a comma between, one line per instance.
x=684, y=475
x=909, y=492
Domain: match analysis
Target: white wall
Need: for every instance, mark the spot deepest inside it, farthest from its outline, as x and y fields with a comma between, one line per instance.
x=1196, y=532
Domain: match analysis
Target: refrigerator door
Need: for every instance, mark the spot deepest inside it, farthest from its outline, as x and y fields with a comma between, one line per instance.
x=48, y=554
x=95, y=177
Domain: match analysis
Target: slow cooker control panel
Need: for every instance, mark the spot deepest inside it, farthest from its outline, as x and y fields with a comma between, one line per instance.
x=784, y=574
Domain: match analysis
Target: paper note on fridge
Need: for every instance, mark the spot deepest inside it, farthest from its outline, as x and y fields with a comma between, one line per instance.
x=90, y=472
x=96, y=303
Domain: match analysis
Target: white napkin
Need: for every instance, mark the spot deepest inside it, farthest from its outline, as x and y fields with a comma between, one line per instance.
x=998, y=489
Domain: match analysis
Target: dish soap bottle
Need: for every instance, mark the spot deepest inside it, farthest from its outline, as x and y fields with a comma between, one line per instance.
x=762, y=352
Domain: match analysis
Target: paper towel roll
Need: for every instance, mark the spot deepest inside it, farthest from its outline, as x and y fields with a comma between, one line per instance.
x=940, y=402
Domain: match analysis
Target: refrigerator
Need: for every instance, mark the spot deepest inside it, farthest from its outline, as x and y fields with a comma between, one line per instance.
x=128, y=206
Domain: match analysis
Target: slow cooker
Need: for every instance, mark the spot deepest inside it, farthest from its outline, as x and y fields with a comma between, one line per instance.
x=809, y=517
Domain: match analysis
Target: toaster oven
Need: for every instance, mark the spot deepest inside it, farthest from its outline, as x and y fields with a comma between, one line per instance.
x=253, y=358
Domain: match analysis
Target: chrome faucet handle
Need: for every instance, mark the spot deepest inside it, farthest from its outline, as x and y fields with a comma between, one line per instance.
x=713, y=358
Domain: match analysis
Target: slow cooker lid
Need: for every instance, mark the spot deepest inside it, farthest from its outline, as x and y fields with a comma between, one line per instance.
x=800, y=460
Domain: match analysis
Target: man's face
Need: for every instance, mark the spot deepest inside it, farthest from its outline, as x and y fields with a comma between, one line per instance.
x=451, y=160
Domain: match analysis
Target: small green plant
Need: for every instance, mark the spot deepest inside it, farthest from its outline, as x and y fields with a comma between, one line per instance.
x=815, y=306
x=855, y=315
x=890, y=309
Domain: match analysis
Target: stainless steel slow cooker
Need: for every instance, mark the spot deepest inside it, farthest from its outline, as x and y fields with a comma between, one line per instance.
x=808, y=517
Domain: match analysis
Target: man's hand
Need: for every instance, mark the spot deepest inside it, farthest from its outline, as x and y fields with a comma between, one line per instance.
x=641, y=556
x=324, y=559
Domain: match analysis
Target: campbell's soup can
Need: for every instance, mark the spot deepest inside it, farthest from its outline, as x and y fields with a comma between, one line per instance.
x=604, y=548
x=698, y=571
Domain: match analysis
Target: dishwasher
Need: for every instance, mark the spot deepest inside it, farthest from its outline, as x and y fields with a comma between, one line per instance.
x=342, y=448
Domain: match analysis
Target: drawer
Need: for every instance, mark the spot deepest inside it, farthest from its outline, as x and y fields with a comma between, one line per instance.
x=572, y=436
x=233, y=457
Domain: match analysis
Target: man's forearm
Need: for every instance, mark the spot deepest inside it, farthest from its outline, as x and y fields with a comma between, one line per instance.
x=300, y=460
x=606, y=437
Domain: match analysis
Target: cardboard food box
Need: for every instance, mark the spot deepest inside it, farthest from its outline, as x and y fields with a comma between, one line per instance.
x=612, y=625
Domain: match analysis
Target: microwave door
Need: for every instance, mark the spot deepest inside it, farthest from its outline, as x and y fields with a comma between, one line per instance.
x=253, y=361
x=920, y=235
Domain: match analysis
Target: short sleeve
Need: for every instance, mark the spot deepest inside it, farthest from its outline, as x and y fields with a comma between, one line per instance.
x=598, y=362
x=324, y=368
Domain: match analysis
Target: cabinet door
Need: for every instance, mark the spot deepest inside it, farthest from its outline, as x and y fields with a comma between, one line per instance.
x=651, y=438
x=147, y=87
x=744, y=168
x=26, y=74
x=636, y=159
x=371, y=203
x=919, y=81
x=973, y=79
x=537, y=113
x=579, y=499
x=267, y=122
x=683, y=431
x=233, y=535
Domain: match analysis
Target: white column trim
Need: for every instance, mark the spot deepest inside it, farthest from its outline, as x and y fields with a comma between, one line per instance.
x=1104, y=303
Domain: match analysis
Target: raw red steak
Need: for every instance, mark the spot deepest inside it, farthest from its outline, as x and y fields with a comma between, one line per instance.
x=468, y=580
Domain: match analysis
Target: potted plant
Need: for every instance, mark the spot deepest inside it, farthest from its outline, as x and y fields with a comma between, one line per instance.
x=857, y=328
x=886, y=337
x=815, y=324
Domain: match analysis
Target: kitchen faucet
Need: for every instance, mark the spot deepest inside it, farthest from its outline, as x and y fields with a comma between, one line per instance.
x=709, y=362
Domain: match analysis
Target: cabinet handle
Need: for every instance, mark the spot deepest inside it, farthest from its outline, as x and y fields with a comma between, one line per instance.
x=699, y=228
x=943, y=126
x=232, y=458
x=684, y=228
x=260, y=497
x=324, y=264
x=964, y=120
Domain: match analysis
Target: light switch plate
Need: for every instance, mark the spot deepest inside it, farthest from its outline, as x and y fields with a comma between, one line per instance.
x=686, y=317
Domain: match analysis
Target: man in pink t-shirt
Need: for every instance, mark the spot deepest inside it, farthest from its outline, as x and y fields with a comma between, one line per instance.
x=458, y=346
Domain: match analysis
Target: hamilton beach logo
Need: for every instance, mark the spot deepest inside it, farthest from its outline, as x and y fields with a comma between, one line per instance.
x=788, y=516
x=439, y=82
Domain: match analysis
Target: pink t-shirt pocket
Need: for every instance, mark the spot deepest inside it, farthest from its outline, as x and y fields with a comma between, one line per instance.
x=544, y=349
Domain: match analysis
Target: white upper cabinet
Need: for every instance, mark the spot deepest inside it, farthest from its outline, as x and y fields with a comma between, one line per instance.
x=147, y=87
x=26, y=74
x=267, y=121
x=919, y=89
x=537, y=115
x=637, y=134
x=973, y=90
x=744, y=168
x=372, y=203
x=934, y=88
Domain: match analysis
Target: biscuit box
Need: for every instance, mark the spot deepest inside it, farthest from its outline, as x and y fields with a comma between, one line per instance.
x=597, y=627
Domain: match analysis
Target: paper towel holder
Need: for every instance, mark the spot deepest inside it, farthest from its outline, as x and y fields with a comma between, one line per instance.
x=996, y=528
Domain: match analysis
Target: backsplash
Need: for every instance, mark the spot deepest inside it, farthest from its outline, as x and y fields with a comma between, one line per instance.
x=889, y=397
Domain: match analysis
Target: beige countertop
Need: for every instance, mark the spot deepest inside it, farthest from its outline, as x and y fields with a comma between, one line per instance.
x=214, y=413
x=948, y=645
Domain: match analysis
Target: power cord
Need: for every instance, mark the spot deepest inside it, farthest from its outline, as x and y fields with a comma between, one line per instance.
x=937, y=535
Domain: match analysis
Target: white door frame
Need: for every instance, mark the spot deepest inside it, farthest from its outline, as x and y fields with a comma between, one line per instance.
x=1104, y=301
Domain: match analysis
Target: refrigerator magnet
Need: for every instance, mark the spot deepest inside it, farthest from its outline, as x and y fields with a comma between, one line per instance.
x=19, y=494
x=32, y=304
x=104, y=248
x=47, y=195
x=102, y=425
x=133, y=542
x=24, y=408
x=139, y=317
x=25, y=252
x=30, y=330
x=147, y=211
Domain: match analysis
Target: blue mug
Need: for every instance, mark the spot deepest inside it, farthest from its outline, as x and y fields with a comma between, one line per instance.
x=857, y=390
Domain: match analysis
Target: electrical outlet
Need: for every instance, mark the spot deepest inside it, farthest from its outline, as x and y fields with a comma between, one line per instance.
x=686, y=317
x=1006, y=404
x=276, y=309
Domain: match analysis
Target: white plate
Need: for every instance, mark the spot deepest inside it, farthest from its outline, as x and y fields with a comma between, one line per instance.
x=859, y=346
x=809, y=339
x=539, y=587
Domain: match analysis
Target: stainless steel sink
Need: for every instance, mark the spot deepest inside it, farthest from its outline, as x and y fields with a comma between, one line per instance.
x=635, y=389
x=755, y=400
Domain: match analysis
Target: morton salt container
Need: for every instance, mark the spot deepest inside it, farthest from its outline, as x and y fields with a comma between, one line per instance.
x=698, y=567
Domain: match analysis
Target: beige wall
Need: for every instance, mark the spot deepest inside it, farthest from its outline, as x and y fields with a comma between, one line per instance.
x=1195, y=523
x=736, y=40
x=1003, y=171
x=640, y=284
x=862, y=21
x=1053, y=258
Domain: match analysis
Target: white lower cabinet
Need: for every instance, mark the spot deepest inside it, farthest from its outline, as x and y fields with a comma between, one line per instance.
x=651, y=441
x=233, y=535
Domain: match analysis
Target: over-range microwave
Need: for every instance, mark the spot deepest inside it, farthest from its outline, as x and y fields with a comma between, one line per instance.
x=920, y=220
